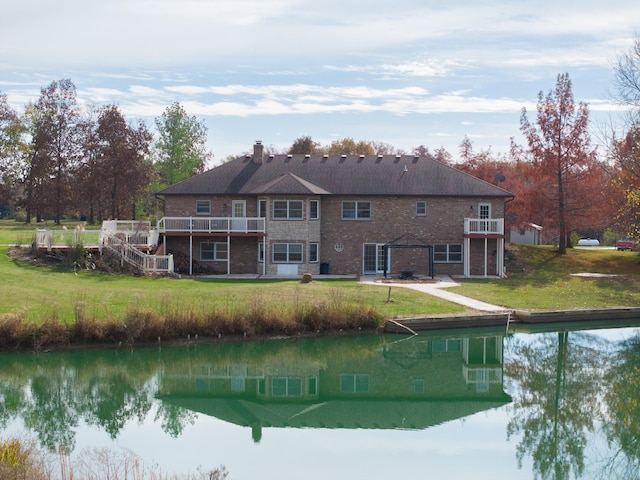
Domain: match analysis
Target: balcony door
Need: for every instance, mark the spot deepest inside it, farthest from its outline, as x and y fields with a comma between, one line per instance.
x=484, y=213
x=239, y=214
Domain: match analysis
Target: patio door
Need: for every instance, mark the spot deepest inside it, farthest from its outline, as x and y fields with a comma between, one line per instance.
x=239, y=214
x=372, y=258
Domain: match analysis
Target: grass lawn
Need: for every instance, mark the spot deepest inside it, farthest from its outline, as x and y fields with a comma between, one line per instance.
x=41, y=293
x=540, y=279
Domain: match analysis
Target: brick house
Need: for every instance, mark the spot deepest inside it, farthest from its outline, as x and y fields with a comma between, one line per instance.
x=335, y=214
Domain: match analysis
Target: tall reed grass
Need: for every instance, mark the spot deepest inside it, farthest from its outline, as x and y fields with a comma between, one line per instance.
x=171, y=321
x=23, y=460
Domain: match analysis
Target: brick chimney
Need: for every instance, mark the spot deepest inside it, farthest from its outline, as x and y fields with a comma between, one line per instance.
x=258, y=152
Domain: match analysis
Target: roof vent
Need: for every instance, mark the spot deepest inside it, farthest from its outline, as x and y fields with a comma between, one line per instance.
x=361, y=156
x=325, y=156
x=343, y=155
x=306, y=155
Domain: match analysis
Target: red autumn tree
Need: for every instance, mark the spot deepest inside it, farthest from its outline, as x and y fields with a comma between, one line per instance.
x=559, y=145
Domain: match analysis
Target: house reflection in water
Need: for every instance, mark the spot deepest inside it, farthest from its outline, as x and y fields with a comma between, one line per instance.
x=389, y=382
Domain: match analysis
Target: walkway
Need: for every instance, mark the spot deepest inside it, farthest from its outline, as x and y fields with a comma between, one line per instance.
x=438, y=289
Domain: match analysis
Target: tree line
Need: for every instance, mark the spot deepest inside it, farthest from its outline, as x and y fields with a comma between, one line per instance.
x=59, y=160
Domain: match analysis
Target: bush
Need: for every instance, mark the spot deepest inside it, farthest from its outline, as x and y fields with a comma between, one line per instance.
x=22, y=460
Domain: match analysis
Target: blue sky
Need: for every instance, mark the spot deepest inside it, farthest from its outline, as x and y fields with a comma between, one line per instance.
x=406, y=73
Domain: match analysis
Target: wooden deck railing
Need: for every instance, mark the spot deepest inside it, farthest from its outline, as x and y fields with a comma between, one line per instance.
x=484, y=226
x=55, y=239
x=228, y=225
x=483, y=375
x=117, y=243
x=126, y=239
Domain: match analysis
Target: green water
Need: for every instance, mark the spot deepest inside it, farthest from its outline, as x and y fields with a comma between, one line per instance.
x=477, y=404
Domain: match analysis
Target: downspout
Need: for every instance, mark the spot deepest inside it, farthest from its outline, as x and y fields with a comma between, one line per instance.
x=504, y=234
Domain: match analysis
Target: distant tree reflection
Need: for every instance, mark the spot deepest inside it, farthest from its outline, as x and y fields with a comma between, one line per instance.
x=622, y=400
x=556, y=403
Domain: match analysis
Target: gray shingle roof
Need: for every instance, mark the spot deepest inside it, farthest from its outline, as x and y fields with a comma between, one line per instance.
x=338, y=175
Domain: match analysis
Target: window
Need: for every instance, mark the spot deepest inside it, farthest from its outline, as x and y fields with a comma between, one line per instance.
x=354, y=383
x=262, y=208
x=314, y=209
x=203, y=207
x=287, y=209
x=261, y=252
x=287, y=253
x=210, y=252
x=484, y=210
x=353, y=210
x=447, y=253
x=313, y=253
x=239, y=208
x=313, y=386
x=421, y=208
x=286, y=386
x=443, y=346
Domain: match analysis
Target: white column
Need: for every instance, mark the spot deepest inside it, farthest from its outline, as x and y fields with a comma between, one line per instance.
x=466, y=259
x=486, y=240
x=190, y=253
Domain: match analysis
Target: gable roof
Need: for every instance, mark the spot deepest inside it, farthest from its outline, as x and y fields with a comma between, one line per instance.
x=338, y=175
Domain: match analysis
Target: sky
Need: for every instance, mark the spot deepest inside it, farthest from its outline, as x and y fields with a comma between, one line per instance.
x=405, y=73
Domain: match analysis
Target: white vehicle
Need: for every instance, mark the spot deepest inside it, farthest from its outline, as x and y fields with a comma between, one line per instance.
x=588, y=242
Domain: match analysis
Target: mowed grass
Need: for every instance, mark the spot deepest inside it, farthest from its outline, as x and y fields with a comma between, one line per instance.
x=541, y=279
x=40, y=293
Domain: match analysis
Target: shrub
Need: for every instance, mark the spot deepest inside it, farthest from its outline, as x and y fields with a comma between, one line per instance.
x=21, y=460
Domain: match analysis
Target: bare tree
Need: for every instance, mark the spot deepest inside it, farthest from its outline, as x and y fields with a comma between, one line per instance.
x=627, y=77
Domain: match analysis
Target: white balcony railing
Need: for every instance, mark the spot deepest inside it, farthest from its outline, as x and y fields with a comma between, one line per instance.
x=484, y=226
x=227, y=225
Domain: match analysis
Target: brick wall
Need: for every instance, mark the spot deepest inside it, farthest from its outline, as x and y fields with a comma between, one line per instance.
x=341, y=241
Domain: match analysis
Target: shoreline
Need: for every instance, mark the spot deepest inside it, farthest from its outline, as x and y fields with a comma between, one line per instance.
x=519, y=318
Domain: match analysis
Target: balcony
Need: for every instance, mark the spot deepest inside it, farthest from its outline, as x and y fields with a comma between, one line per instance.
x=484, y=226
x=211, y=225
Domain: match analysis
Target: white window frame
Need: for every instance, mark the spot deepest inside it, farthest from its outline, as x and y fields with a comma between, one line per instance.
x=314, y=252
x=314, y=213
x=261, y=252
x=288, y=247
x=262, y=208
x=356, y=209
x=203, y=207
x=421, y=208
x=484, y=211
x=282, y=386
x=452, y=252
x=355, y=383
x=219, y=251
x=288, y=209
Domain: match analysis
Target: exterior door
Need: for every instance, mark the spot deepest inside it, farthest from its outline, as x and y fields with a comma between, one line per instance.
x=372, y=258
x=239, y=214
x=484, y=213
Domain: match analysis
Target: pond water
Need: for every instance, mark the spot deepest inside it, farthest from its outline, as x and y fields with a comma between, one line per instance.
x=483, y=404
